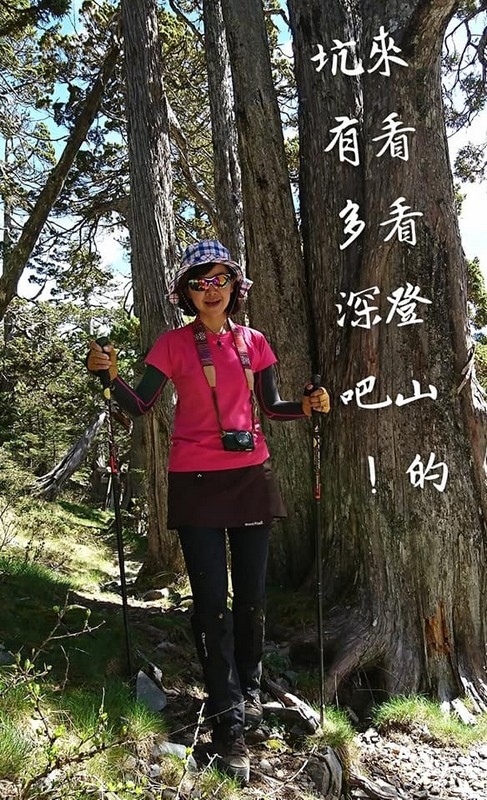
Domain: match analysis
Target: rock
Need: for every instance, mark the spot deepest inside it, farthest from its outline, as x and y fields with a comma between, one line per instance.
x=266, y=766
x=166, y=646
x=5, y=656
x=129, y=762
x=292, y=715
x=462, y=712
x=149, y=693
x=178, y=750
x=326, y=772
x=371, y=735
x=156, y=594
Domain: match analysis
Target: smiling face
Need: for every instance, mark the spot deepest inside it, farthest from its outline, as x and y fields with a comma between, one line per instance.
x=212, y=303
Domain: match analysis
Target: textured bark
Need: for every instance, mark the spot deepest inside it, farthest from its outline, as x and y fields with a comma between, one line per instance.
x=152, y=245
x=226, y=168
x=405, y=578
x=274, y=262
x=19, y=254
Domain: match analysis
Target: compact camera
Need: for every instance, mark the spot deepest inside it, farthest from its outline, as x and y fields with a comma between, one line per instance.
x=238, y=441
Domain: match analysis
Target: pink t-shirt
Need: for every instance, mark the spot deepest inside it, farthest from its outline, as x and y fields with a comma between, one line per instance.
x=195, y=441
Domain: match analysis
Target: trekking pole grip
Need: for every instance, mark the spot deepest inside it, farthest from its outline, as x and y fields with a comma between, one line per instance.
x=316, y=381
x=104, y=374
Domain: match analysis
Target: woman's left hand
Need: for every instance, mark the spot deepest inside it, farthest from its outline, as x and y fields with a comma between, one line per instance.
x=318, y=400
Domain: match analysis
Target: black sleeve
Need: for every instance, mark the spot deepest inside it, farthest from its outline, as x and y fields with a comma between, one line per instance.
x=140, y=400
x=269, y=401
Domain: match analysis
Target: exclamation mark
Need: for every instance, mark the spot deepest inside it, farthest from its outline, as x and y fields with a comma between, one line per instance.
x=372, y=473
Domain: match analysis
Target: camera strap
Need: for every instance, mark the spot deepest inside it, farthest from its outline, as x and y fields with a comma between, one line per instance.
x=206, y=361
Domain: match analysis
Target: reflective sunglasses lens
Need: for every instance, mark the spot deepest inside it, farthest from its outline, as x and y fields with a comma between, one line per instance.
x=201, y=284
x=220, y=280
x=197, y=284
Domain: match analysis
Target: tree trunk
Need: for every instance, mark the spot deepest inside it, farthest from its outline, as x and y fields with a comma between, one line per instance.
x=152, y=245
x=405, y=577
x=19, y=253
x=50, y=485
x=226, y=168
x=274, y=263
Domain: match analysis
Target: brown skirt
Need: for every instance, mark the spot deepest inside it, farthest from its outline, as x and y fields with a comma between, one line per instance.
x=229, y=498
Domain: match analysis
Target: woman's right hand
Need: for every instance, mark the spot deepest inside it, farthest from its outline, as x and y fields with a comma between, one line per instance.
x=101, y=359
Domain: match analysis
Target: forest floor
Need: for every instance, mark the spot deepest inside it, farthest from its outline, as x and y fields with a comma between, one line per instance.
x=393, y=762
x=402, y=762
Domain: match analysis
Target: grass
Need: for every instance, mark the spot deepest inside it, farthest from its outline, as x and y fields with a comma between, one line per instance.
x=15, y=747
x=54, y=613
x=43, y=530
x=81, y=710
x=30, y=596
x=413, y=712
x=337, y=733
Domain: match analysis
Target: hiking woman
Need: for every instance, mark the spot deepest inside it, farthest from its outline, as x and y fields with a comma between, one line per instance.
x=219, y=482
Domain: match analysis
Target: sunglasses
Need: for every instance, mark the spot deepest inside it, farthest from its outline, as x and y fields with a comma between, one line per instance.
x=202, y=284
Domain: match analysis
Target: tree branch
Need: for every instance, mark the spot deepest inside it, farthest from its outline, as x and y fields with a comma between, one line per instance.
x=20, y=253
x=32, y=14
x=185, y=19
x=180, y=140
x=423, y=36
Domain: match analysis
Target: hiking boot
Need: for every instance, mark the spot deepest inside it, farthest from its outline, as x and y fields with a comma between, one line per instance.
x=253, y=710
x=232, y=755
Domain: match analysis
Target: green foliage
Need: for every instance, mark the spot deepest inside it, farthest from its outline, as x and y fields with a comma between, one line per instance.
x=477, y=294
x=481, y=361
x=80, y=710
x=38, y=572
x=76, y=726
x=418, y=714
x=337, y=731
x=214, y=784
x=47, y=395
x=86, y=718
x=14, y=17
x=15, y=747
x=471, y=163
x=464, y=87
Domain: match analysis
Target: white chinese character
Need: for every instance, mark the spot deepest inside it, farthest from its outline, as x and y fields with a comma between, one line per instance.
x=384, y=49
x=347, y=139
x=362, y=388
x=432, y=393
x=404, y=301
x=395, y=138
x=353, y=225
x=321, y=57
x=418, y=472
x=339, y=59
x=403, y=223
x=359, y=302
x=342, y=54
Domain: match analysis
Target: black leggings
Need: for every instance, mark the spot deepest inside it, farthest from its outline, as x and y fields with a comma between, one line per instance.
x=229, y=644
x=206, y=562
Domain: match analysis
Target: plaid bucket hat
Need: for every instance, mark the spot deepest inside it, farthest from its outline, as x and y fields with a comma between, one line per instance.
x=208, y=251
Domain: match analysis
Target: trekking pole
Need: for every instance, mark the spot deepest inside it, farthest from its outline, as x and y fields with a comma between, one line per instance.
x=316, y=445
x=115, y=478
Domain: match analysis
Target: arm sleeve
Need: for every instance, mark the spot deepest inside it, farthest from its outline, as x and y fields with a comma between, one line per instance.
x=140, y=400
x=269, y=401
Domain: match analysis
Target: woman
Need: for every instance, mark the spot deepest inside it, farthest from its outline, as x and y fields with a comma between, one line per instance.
x=219, y=478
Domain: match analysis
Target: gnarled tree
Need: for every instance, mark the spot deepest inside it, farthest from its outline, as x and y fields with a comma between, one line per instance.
x=406, y=584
